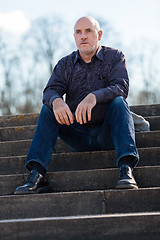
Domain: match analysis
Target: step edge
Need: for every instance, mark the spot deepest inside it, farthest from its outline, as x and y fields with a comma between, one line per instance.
x=77, y=171
x=105, y=191
x=81, y=217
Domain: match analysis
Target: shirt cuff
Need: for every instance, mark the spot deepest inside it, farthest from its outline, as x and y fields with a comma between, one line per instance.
x=99, y=96
x=53, y=98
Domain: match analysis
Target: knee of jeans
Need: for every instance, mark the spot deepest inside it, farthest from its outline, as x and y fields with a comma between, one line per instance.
x=46, y=108
x=118, y=102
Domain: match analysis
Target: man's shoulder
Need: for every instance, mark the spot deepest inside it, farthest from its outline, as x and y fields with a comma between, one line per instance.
x=110, y=50
x=110, y=54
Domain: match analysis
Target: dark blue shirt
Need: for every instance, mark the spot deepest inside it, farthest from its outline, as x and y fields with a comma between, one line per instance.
x=105, y=76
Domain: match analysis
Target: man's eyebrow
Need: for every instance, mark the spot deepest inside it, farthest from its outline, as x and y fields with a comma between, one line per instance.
x=77, y=30
x=89, y=28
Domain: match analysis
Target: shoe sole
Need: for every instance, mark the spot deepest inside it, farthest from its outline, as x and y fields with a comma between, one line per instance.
x=45, y=189
x=127, y=186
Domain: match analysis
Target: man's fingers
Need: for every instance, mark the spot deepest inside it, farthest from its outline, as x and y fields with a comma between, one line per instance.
x=61, y=117
x=58, y=118
x=84, y=119
x=70, y=117
x=62, y=112
x=89, y=114
x=84, y=109
x=81, y=115
x=64, y=119
x=77, y=115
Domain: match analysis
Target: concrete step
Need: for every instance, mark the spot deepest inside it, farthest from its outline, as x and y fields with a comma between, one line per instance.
x=98, y=179
x=146, y=110
x=19, y=120
x=14, y=148
x=80, y=203
x=154, y=122
x=51, y=205
x=21, y=147
x=27, y=132
x=148, y=139
x=75, y=161
x=17, y=133
x=131, y=226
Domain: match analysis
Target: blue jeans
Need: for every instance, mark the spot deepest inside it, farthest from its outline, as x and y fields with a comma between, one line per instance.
x=116, y=132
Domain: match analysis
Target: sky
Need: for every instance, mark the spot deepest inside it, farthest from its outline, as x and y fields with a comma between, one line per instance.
x=134, y=19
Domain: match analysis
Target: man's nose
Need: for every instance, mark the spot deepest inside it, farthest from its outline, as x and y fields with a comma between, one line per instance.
x=83, y=36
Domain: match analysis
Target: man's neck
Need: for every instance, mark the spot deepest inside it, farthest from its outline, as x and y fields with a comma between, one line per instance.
x=87, y=58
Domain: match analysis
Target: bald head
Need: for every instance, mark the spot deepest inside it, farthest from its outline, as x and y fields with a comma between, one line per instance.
x=94, y=22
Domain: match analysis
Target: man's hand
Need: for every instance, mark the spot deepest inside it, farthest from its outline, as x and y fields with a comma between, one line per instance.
x=83, y=111
x=62, y=112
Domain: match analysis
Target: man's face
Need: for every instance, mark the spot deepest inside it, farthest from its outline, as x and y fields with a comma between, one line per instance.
x=86, y=36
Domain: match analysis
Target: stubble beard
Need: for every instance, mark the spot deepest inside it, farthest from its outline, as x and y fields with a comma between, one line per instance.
x=89, y=51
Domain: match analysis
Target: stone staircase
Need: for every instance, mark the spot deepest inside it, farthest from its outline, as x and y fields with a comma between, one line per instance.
x=83, y=203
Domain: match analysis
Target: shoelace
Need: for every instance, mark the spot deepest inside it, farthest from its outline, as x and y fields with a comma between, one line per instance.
x=123, y=171
x=32, y=177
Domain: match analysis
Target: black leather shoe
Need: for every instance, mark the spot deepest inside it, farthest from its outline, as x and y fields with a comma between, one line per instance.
x=34, y=184
x=126, y=179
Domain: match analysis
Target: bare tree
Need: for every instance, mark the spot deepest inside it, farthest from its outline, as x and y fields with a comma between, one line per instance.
x=39, y=49
x=9, y=62
x=45, y=39
x=145, y=71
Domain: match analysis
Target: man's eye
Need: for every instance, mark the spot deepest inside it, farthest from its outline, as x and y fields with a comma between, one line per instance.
x=89, y=30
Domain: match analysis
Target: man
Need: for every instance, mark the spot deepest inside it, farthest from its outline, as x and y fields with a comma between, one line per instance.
x=95, y=115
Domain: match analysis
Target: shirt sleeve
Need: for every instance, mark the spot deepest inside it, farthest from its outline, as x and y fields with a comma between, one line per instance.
x=118, y=81
x=56, y=86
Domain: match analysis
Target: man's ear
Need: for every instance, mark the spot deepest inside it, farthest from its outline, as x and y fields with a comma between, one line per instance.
x=100, y=34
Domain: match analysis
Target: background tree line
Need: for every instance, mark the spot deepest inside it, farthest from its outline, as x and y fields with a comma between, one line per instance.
x=27, y=62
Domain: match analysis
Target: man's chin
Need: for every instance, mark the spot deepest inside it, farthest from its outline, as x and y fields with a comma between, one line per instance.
x=86, y=51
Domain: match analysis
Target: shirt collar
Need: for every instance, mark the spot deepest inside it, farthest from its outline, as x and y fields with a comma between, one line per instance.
x=99, y=55
x=76, y=57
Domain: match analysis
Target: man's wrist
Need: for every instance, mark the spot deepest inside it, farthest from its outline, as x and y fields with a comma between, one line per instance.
x=95, y=98
x=56, y=100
